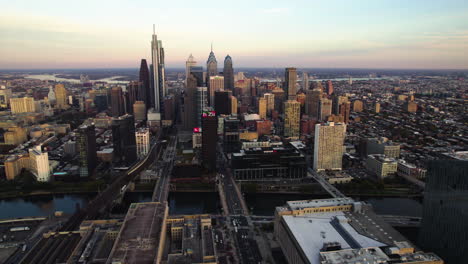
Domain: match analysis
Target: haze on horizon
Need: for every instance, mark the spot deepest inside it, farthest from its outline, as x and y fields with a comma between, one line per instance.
x=398, y=34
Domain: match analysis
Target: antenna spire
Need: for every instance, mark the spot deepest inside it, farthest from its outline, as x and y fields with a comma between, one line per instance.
x=211, y=46
x=154, y=29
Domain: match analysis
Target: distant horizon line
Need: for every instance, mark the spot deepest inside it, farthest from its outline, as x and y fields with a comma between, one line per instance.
x=242, y=67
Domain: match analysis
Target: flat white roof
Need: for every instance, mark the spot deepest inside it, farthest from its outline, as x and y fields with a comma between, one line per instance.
x=313, y=230
x=294, y=205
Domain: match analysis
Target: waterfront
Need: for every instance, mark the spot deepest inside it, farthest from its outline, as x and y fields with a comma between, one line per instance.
x=53, y=77
x=189, y=203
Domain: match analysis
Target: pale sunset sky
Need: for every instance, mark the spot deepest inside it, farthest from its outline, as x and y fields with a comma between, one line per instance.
x=402, y=34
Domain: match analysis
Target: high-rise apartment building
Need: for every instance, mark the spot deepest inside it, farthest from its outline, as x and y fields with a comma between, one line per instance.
x=445, y=212
x=262, y=108
x=324, y=108
x=22, y=105
x=329, y=87
x=290, y=79
x=228, y=73
x=39, y=164
x=270, y=101
x=305, y=81
x=209, y=139
x=328, y=146
x=123, y=137
x=144, y=93
x=117, y=102
x=216, y=84
x=139, y=111
x=61, y=96
x=312, y=102
x=142, y=137
x=292, y=119
x=86, y=144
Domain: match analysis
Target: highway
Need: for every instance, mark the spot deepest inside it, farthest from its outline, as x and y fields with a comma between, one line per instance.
x=164, y=169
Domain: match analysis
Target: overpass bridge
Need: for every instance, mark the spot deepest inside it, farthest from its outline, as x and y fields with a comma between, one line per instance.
x=332, y=190
x=166, y=162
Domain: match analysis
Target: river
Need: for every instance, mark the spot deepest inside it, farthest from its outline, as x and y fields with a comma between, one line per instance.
x=188, y=203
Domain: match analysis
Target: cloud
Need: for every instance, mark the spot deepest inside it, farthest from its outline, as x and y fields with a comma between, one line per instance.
x=276, y=10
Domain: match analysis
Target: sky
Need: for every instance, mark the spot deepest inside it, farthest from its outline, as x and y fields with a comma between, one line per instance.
x=400, y=34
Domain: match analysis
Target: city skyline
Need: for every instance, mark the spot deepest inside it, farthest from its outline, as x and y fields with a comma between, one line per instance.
x=336, y=34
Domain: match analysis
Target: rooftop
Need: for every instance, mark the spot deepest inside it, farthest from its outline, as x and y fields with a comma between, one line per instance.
x=301, y=204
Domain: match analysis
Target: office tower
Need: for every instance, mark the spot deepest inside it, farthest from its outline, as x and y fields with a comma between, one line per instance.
x=228, y=73
x=270, y=101
x=5, y=95
x=132, y=91
x=169, y=108
x=100, y=101
x=162, y=71
x=142, y=137
x=445, y=212
x=216, y=83
x=292, y=117
x=328, y=146
x=155, y=58
x=197, y=72
x=201, y=103
x=211, y=65
x=117, y=102
x=312, y=102
x=189, y=109
x=209, y=139
x=39, y=162
x=61, y=96
x=231, y=142
x=123, y=137
x=345, y=111
x=262, y=108
x=305, y=81
x=279, y=95
x=86, y=143
x=139, y=110
x=337, y=101
x=290, y=83
x=233, y=104
x=223, y=102
x=188, y=65
x=144, y=93
x=51, y=96
x=325, y=108
x=358, y=106
x=22, y=105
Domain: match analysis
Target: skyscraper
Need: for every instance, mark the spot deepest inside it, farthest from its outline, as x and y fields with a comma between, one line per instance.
x=132, y=89
x=345, y=111
x=86, y=144
x=117, y=102
x=305, y=81
x=292, y=118
x=189, y=116
x=337, y=101
x=211, y=65
x=197, y=72
x=262, y=108
x=155, y=50
x=139, y=111
x=39, y=161
x=228, y=73
x=445, y=213
x=188, y=64
x=144, y=92
x=123, y=137
x=201, y=103
x=61, y=96
x=312, y=103
x=216, y=84
x=329, y=87
x=325, y=108
x=328, y=146
x=223, y=102
x=290, y=81
x=270, y=100
x=209, y=142
x=233, y=105
x=142, y=137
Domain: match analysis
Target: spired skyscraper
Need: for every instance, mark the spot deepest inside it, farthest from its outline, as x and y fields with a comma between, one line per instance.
x=228, y=72
x=157, y=72
x=211, y=65
x=188, y=65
